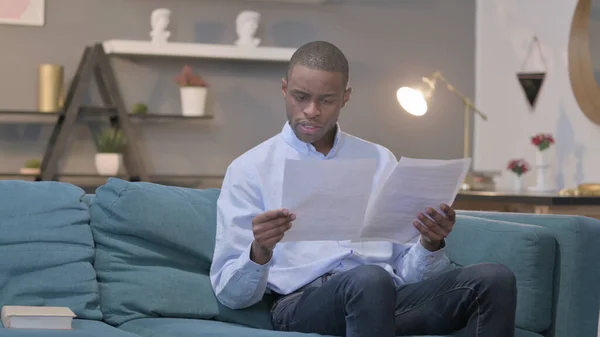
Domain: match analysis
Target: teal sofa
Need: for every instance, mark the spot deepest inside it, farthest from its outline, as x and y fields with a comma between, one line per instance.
x=133, y=259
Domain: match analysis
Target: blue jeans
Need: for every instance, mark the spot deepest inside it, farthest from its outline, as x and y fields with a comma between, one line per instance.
x=478, y=301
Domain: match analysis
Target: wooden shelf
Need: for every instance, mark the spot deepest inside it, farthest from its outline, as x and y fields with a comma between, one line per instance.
x=197, y=50
x=89, y=113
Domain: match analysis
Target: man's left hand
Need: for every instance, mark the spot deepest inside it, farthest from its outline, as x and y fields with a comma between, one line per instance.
x=434, y=232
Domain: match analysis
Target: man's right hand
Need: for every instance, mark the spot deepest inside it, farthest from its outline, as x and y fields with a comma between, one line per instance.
x=268, y=229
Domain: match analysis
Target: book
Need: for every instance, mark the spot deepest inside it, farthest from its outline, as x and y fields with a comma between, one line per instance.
x=336, y=200
x=37, y=317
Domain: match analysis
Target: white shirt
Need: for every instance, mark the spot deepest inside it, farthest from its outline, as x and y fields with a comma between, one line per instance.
x=253, y=185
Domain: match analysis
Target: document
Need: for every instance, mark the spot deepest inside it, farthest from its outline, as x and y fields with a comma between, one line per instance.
x=328, y=197
x=334, y=200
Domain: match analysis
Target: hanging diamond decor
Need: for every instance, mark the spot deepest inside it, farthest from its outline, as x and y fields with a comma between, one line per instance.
x=532, y=81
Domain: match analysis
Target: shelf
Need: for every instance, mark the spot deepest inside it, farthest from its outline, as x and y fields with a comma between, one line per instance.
x=197, y=50
x=89, y=113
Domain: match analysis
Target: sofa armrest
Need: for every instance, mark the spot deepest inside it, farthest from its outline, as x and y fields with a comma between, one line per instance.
x=527, y=250
x=577, y=277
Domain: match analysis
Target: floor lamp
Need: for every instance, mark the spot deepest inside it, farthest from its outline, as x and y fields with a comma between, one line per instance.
x=414, y=101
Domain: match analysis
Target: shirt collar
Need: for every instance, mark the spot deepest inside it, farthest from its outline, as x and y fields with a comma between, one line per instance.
x=305, y=148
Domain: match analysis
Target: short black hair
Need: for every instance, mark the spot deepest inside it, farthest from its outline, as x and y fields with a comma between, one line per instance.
x=321, y=55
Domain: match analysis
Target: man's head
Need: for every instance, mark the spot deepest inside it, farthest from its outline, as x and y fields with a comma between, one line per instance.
x=315, y=91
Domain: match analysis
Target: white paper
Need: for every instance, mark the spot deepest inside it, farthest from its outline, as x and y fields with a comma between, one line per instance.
x=413, y=186
x=328, y=197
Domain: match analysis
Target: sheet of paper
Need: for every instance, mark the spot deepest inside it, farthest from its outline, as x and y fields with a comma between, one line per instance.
x=328, y=197
x=413, y=186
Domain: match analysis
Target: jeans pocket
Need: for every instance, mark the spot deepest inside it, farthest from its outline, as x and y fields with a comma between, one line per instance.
x=282, y=313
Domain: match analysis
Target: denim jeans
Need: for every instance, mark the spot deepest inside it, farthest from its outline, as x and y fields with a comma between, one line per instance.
x=475, y=301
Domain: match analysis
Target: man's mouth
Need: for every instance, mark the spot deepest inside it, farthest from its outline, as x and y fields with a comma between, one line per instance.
x=308, y=128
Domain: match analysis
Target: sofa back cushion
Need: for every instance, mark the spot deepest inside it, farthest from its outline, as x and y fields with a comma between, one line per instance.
x=47, y=248
x=528, y=251
x=154, y=247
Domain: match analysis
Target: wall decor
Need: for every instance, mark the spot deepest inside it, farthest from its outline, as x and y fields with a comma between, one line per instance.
x=246, y=24
x=532, y=81
x=22, y=12
x=159, y=21
x=581, y=62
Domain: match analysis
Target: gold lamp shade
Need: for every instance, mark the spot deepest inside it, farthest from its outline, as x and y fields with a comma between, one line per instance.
x=50, y=87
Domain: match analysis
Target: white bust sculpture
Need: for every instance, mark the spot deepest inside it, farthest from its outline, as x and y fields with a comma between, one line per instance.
x=160, y=21
x=246, y=26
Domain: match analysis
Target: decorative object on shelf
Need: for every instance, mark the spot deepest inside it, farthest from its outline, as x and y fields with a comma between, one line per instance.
x=519, y=167
x=22, y=12
x=193, y=90
x=414, y=101
x=532, y=81
x=247, y=23
x=110, y=147
x=542, y=142
x=50, y=87
x=31, y=167
x=583, y=190
x=139, y=108
x=159, y=20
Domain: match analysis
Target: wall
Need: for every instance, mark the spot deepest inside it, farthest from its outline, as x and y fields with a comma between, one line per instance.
x=504, y=32
x=389, y=44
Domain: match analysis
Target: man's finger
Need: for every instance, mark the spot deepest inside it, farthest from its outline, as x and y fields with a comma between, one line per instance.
x=450, y=213
x=426, y=231
x=273, y=233
x=270, y=215
x=433, y=226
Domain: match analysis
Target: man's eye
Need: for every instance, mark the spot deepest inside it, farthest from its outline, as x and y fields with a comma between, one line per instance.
x=300, y=97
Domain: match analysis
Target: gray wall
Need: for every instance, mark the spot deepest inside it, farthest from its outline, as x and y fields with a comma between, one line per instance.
x=389, y=44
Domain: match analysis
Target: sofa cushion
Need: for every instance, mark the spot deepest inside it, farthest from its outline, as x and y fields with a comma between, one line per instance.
x=154, y=247
x=47, y=247
x=81, y=328
x=528, y=251
x=160, y=327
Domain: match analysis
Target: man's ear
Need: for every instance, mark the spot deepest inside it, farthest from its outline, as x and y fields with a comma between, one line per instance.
x=347, y=93
x=284, y=87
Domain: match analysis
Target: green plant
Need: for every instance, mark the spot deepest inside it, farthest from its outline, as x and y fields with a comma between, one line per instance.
x=111, y=140
x=187, y=78
x=32, y=164
x=139, y=108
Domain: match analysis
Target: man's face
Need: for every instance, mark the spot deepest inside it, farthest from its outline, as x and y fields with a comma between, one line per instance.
x=313, y=100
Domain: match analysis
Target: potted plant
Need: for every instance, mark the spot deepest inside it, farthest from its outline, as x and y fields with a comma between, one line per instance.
x=519, y=167
x=193, y=90
x=542, y=142
x=139, y=108
x=32, y=166
x=110, y=147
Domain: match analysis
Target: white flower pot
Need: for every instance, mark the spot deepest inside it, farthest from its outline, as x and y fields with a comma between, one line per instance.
x=108, y=164
x=193, y=100
x=30, y=171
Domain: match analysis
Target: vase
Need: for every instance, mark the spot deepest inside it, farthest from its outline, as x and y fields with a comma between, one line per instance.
x=542, y=169
x=50, y=87
x=108, y=164
x=518, y=183
x=193, y=101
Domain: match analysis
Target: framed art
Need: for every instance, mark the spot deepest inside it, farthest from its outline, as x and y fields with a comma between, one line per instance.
x=22, y=12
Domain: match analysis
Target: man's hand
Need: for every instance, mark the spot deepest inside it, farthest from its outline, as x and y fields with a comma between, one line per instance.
x=434, y=232
x=268, y=229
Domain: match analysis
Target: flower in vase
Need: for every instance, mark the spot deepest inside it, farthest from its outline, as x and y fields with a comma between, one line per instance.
x=518, y=166
x=542, y=141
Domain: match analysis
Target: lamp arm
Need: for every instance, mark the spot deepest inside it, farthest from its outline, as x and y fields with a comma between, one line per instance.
x=467, y=101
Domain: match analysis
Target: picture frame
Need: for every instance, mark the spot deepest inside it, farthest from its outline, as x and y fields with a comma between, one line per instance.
x=22, y=12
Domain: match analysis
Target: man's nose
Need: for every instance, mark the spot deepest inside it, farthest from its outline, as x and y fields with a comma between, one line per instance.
x=312, y=110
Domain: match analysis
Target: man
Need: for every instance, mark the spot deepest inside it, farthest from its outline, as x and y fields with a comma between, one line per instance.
x=342, y=288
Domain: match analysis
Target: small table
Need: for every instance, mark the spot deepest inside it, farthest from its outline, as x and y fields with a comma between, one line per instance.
x=528, y=202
